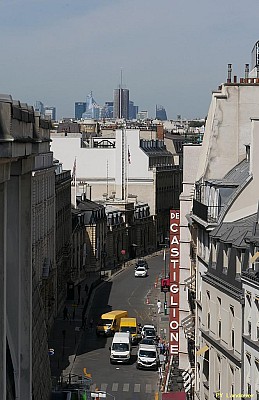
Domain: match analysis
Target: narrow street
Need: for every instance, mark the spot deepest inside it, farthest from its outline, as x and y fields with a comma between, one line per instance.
x=123, y=292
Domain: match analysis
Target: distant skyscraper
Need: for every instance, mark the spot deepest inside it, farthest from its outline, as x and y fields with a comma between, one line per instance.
x=142, y=115
x=80, y=108
x=50, y=112
x=39, y=106
x=161, y=113
x=109, y=109
x=133, y=110
x=121, y=103
x=91, y=109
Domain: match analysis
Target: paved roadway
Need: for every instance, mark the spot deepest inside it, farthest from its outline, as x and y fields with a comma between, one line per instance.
x=123, y=292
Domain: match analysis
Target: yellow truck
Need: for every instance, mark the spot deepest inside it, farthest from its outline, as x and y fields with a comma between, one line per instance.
x=109, y=323
x=130, y=325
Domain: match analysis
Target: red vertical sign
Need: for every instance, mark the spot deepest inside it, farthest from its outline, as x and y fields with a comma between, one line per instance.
x=174, y=265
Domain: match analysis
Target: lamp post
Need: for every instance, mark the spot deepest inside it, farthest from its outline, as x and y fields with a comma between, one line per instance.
x=165, y=245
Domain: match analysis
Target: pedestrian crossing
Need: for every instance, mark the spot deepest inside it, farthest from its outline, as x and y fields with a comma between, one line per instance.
x=124, y=387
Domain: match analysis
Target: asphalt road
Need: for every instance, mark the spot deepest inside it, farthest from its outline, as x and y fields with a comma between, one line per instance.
x=124, y=292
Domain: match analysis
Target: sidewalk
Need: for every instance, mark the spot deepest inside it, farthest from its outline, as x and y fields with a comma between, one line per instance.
x=65, y=333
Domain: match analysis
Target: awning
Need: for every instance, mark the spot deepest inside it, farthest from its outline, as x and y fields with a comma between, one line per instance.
x=174, y=396
x=202, y=350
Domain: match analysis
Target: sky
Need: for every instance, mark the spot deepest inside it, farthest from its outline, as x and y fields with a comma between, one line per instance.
x=172, y=52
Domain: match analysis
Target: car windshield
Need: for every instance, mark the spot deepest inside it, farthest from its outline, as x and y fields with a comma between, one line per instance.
x=147, y=341
x=147, y=353
x=104, y=322
x=130, y=329
x=120, y=347
x=141, y=269
x=150, y=332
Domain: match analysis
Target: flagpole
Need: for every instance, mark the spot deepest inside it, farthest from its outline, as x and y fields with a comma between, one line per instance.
x=128, y=162
x=74, y=178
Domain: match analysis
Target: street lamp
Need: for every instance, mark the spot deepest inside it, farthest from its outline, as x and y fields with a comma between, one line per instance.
x=165, y=273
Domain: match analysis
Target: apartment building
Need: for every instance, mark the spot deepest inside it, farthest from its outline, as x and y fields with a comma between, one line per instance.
x=24, y=135
x=128, y=168
x=221, y=224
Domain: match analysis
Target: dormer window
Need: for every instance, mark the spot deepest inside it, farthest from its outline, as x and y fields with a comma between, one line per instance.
x=225, y=258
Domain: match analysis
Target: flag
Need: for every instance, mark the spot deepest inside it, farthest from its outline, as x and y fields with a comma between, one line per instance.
x=129, y=156
x=74, y=170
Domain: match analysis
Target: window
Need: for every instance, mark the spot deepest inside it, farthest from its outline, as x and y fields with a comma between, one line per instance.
x=219, y=316
x=239, y=261
x=213, y=253
x=249, y=328
x=232, y=313
x=257, y=332
x=232, y=338
x=225, y=258
x=257, y=395
x=249, y=389
x=219, y=328
x=208, y=321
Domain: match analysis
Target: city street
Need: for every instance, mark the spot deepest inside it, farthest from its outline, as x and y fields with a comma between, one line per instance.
x=124, y=292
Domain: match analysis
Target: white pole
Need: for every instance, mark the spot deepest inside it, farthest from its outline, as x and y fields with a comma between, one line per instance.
x=74, y=178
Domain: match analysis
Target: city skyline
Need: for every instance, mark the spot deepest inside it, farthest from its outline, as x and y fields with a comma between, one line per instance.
x=169, y=52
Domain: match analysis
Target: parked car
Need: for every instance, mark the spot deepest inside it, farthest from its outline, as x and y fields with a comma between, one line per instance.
x=150, y=334
x=145, y=327
x=148, y=342
x=140, y=272
x=147, y=357
x=141, y=263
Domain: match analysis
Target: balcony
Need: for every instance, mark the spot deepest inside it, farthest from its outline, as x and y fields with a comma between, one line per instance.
x=206, y=213
x=251, y=274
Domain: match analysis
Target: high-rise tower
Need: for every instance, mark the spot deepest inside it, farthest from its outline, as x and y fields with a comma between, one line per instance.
x=121, y=102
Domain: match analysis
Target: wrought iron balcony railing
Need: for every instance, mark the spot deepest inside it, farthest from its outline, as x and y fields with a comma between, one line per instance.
x=204, y=212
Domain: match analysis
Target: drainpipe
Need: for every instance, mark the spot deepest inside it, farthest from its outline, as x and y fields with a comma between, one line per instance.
x=242, y=300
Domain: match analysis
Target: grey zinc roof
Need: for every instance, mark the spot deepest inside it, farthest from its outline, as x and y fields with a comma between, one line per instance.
x=235, y=176
x=235, y=232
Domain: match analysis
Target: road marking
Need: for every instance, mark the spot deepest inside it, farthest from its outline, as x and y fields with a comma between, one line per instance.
x=156, y=396
x=148, y=388
x=125, y=387
x=115, y=387
x=104, y=387
x=137, y=387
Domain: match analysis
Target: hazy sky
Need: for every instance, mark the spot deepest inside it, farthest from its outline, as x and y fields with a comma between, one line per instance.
x=172, y=52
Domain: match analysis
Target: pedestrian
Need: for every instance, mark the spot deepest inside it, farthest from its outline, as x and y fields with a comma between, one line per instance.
x=65, y=313
x=91, y=324
x=86, y=289
x=83, y=325
x=158, y=306
x=79, y=293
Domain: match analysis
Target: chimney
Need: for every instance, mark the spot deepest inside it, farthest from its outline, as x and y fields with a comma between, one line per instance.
x=235, y=79
x=246, y=72
x=160, y=132
x=229, y=73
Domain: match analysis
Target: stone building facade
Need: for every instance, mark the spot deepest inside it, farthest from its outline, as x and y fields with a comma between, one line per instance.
x=24, y=135
x=224, y=207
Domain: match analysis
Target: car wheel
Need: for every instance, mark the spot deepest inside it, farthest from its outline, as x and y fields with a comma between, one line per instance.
x=137, y=366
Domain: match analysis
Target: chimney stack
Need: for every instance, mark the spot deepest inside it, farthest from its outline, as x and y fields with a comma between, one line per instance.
x=229, y=73
x=246, y=72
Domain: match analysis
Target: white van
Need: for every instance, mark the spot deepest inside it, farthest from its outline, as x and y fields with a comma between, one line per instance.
x=120, y=348
x=147, y=357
